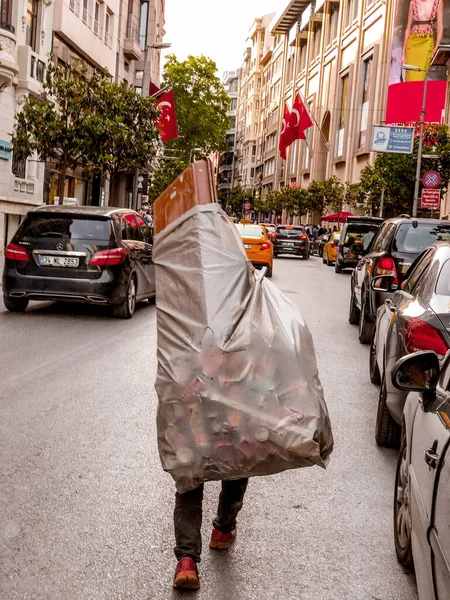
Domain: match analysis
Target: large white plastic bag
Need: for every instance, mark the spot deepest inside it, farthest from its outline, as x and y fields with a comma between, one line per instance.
x=237, y=382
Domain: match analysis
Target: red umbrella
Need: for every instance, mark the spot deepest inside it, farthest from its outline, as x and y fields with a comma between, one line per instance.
x=337, y=217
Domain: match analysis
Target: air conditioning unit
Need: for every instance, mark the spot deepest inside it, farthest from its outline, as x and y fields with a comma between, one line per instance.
x=66, y=200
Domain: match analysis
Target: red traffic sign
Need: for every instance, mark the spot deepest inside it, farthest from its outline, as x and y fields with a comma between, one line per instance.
x=431, y=199
x=431, y=179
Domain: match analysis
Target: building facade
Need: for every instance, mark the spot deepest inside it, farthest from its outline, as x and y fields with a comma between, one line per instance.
x=25, y=44
x=336, y=54
x=114, y=35
x=226, y=165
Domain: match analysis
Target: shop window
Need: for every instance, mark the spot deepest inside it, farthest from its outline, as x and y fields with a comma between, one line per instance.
x=31, y=24
x=365, y=101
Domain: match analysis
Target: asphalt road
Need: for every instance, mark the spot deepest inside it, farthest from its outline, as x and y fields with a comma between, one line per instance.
x=86, y=511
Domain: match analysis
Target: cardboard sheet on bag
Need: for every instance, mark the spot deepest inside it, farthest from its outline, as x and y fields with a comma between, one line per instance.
x=237, y=382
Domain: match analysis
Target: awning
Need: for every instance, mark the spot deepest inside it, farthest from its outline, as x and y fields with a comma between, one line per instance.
x=289, y=16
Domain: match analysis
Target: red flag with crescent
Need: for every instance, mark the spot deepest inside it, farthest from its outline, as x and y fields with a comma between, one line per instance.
x=300, y=119
x=167, y=121
x=286, y=133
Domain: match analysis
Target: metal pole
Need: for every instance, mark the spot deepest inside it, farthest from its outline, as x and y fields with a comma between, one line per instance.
x=419, y=151
x=382, y=202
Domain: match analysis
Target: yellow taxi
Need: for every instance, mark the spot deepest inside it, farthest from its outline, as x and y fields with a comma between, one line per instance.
x=257, y=246
x=330, y=249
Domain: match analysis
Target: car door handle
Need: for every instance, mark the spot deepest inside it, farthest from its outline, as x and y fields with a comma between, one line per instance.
x=431, y=458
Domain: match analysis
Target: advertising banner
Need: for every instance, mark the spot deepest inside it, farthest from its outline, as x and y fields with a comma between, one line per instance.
x=420, y=26
x=399, y=140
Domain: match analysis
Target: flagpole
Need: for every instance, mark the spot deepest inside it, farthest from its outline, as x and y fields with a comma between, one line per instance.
x=311, y=116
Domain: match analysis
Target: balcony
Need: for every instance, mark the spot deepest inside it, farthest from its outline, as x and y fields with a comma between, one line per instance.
x=31, y=70
x=131, y=46
x=8, y=65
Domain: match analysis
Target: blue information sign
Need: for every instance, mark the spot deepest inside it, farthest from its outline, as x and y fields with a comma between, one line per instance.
x=389, y=138
x=5, y=149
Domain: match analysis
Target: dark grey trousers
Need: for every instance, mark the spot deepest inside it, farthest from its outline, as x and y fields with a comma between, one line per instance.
x=188, y=516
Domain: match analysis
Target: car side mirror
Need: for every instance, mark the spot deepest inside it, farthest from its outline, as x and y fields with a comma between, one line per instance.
x=383, y=283
x=418, y=372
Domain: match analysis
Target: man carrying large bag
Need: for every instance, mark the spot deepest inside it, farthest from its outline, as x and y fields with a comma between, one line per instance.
x=237, y=383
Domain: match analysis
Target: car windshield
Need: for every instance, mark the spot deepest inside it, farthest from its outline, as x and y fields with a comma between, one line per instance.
x=63, y=226
x=289, y=229
x=250, y=231
x=415, y=239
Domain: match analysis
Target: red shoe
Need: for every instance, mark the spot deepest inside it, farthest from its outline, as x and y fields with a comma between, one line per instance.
x=186, y=575
x=221, y=540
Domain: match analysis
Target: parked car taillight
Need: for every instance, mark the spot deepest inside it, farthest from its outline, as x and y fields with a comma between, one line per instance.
x=265, y=246
x=302, y=237
x=386, y=266
x=111, y=257
x=15, y=252
x=422, y=336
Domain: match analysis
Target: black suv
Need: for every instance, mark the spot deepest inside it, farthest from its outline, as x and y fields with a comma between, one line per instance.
x=356, y=236
x=82, y=254
x=395, y=247
x=290, y=239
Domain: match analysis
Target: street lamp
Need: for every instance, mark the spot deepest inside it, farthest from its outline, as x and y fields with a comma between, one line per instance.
x=422, y=122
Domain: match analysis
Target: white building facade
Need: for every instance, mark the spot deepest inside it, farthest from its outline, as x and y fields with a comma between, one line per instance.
x=26, y=42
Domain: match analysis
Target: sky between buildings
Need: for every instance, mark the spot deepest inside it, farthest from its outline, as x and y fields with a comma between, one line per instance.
x=214, y=28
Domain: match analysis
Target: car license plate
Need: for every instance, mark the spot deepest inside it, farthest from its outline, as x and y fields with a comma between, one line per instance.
x=289, y=243
x=58, y=261
x=248, y=246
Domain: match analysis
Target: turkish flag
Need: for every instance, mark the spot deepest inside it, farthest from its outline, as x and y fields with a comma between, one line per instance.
x=300, y=120
x=153, y=90
x=167, y=121
x=286, y=133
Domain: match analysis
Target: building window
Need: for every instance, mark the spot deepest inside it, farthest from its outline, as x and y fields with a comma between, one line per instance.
x=86, y=15
x=342, y=116
x=108, y=28
x=365, y=101
x=19, y=167
x=97, y=17
x=6, y=15
x=139, y=75
x=333, y=20
x=32, y=18
x=316, y=40
x=302, y=61
x=143, y=23
x=138, y=90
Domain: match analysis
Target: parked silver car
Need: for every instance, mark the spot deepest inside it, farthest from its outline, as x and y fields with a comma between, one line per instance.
x=422, y=483
x=414, y=317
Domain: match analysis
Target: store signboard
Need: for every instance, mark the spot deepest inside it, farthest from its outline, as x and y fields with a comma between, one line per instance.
x=399, y=140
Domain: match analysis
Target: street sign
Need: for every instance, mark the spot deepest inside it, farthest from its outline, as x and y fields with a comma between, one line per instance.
x=431, y=199
x=388, y=138
x=431, y=179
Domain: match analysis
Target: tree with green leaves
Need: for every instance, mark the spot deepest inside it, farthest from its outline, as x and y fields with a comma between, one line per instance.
x=85, y=120
x=202, y=106
x=233, y=199
x=396, y=173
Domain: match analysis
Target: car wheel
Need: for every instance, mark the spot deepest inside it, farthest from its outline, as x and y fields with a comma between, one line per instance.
x=15, y=304
x=337, y=268
x=323, y=258
x=353, y=313
x=329, y=263
x=269, y=271
x=402, y=509
x=365, y=326
x=387, y=431
x=374, y=371
x=125, y=310
x=275, y=254
x=307, y=255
